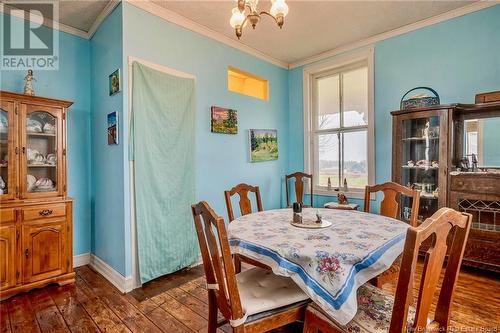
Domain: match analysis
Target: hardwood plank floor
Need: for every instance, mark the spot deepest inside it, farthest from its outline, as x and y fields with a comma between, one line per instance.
x=177, y=303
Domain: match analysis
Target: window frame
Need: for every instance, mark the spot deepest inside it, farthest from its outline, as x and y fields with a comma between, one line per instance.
x=343, y=63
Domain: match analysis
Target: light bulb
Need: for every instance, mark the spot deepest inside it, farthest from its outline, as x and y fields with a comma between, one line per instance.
x=237, y=18
x=279, y=7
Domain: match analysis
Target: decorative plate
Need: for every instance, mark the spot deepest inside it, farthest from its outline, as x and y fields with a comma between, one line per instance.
x=33, y=126
x=49, y=128
x=31, y=182
x=312, y=224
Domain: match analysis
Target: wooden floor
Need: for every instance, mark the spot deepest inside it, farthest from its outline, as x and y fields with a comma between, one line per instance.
x=177, y=303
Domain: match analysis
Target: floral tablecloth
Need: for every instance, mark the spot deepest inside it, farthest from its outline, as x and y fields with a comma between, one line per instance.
x=329, y=264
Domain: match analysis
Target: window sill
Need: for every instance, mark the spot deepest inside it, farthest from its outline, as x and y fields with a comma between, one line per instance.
x=333, y=193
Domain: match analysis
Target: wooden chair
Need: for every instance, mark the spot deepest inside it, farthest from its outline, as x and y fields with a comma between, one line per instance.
x=299, y=187
x=390, y=207
x=245, y=208
x=396, y=315
x=245, y=204
x=282, y=301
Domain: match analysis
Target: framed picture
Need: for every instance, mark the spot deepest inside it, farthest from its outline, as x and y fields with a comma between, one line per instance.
x=114, y=82
x=224, y=121
x=263, y=145
x=113, y=128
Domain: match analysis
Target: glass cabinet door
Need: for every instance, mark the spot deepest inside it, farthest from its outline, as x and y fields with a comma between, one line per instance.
x=41, y=151
x=7, y=146
x=421, y=163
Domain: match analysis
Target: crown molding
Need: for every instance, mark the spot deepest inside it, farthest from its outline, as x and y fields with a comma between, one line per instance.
x=48, y=23
x=482, y=4
x=184, y=22
x=102, y=16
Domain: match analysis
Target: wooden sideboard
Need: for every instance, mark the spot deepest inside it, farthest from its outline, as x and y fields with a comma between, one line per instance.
x=35, y=212
x=436, y=134
x=479, y=195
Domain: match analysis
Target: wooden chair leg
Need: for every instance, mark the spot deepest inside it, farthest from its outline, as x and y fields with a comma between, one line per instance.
x=237, y=264
x=212, y=312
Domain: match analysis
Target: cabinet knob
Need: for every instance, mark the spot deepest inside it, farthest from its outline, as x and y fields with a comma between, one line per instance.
x=45, y=212
x=26, y=253
x=460, y=183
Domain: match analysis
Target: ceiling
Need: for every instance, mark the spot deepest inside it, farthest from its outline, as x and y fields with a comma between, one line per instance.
x=311, y=27
x=80, y=14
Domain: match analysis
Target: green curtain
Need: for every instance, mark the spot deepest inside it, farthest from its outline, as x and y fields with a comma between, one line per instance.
x=163, y=148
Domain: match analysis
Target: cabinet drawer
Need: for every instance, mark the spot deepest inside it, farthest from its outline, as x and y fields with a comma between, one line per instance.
x=7, y=215
x=485, y=185
x=44, y=212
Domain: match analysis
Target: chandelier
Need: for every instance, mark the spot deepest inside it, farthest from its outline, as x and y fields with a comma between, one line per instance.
x=240, y=17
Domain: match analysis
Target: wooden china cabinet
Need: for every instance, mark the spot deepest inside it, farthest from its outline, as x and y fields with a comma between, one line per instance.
x=421, y=156
x=35, y=212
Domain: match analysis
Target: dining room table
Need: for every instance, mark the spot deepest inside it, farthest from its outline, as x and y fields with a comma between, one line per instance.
x=329, y=263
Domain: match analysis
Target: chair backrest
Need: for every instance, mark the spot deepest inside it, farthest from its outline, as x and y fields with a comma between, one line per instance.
x=299, y=187
x=438, y=226
x=390, y=205
x=244, y=202
x=217, y=260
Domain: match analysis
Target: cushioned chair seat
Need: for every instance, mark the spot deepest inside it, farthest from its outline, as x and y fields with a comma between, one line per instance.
x=261, y=290
x=374, y=312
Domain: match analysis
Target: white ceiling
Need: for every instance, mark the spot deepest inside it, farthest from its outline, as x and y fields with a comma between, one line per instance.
x=312, y=27
x=80, y=14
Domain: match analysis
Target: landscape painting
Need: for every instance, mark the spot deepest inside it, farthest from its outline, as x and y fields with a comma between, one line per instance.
x=263, y=145
x=224, y=120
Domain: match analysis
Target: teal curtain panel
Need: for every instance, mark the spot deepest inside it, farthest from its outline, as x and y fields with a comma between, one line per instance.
x=163, y=147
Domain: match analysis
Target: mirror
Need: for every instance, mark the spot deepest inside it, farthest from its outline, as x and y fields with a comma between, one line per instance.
x=482, y=138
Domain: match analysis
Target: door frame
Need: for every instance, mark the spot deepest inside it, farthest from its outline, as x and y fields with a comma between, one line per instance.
x=136, y=279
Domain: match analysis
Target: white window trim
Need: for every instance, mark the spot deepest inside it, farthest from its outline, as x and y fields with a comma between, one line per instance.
x=366, y=55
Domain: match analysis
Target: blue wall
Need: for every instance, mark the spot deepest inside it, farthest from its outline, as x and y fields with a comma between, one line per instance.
x=70, y=82
x=458, y=58
x=108, y=199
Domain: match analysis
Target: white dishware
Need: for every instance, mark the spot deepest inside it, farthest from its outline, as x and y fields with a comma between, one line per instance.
x=33, y=126
x=31, y=180
x=44, y=185
x=38, y=159
x=312, y=224
x=51, y=159
x=49, y=128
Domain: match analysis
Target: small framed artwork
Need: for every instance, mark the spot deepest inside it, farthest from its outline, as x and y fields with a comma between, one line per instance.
x=114, y=82
x=263, y=144
x=224, y=120
x=113, y=128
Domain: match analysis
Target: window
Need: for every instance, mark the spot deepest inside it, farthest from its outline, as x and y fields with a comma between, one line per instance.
x=248, y=84
x=339, y=129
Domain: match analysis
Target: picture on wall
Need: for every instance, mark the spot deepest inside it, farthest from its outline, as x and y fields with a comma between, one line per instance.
x=224, y=120
x=113, y=128
x=263, y=145
x=114, y=82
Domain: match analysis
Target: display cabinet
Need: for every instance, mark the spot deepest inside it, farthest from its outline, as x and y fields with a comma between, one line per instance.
x=35, y=212
x=421, y=157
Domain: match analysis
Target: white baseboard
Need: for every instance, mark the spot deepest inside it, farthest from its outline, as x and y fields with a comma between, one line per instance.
x=81, y=260
x=124, y=284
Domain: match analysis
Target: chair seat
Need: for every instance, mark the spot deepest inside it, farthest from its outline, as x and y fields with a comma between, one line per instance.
x=374, y=312
x=261, y=290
